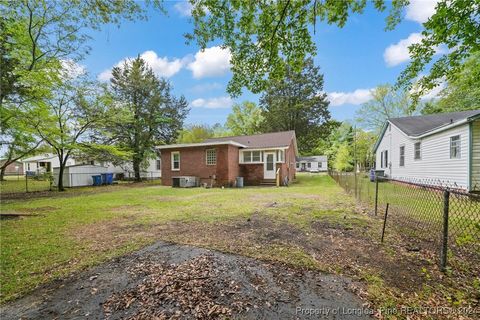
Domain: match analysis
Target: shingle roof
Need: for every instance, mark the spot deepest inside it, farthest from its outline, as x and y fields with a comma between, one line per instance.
x=313, y=158
x=265, y=140
x=419, y=125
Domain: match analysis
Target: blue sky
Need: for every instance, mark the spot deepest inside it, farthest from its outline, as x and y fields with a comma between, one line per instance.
x=353, y=59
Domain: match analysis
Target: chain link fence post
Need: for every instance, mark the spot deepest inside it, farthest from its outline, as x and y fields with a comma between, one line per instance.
x=385, y=221
x=26, y=183
x=446, y=206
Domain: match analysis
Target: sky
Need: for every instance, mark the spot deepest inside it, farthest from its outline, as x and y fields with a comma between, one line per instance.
x=353, y=59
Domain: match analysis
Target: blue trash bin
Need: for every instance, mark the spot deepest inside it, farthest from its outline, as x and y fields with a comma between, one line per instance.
x=109, y=178
x=97, y=180
x=104, y=178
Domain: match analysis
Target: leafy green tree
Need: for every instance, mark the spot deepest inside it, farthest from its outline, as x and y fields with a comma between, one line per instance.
x=195, y=133
x=146, y=113
x=37, y=38
x=65, y=119
x=245, y=119
x=363, y=149
x=343, y=159
x=386, y=103
x=297, y=103
x=462, y=91
x=454, y=25
x=267, y=38
x=200, y=132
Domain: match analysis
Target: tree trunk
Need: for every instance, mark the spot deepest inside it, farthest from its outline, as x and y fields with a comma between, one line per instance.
x=136, y=169
x=2, y=172
x=60, y=177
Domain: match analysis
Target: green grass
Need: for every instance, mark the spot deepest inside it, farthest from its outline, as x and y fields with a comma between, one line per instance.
x=17, y=184
x=71, y=233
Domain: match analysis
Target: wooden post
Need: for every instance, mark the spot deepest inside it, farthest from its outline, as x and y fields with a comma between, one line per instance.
x=384, y=222
x=446, y=205
x=376, y=194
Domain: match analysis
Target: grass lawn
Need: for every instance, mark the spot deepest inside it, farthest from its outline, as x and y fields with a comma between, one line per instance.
x=17, y=184
x=312, y=224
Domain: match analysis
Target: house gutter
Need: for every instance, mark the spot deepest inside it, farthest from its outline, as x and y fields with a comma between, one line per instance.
x=200, y=144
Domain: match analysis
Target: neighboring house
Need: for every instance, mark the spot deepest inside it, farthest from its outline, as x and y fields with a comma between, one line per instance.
x=13, y=168
x=218, y=161
x=440, y=148
x=312, y=164
x=43, y=163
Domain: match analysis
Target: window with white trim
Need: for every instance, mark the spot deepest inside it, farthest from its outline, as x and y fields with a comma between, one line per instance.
x=455, y=148
x=319, y=164
x=280, y=156
x=309, y=164
x=252, y=156
x=158, y=164
x=175, y=160
x=211, y=156
x=402, y=156
x=417, y=154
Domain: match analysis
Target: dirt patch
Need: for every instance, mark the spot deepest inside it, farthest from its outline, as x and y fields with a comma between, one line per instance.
x=184, y=282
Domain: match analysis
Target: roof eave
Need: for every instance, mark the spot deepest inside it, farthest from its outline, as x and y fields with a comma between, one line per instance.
x=200, y=144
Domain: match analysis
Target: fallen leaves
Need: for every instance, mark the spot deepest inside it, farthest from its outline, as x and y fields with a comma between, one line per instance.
x=193, y=289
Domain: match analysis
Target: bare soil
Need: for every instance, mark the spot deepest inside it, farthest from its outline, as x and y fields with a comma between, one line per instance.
x=166, y=280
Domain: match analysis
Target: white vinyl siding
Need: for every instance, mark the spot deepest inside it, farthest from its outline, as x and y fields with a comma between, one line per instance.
x=435, y=163
x=475, y=156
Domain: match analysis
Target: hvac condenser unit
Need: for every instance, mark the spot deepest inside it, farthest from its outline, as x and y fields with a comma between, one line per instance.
x=185, y=182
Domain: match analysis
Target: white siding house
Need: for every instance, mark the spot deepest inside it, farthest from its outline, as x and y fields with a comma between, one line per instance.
x=43, y=163
x=312, y=164
x=436, y=149
x=46, y=162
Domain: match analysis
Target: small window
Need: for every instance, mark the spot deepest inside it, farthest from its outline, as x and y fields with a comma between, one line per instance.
x=319, y=164
x=256, y=156
x=309, y=165
x=402, y=156
x=158, y=164
x=417, y=151
x=386, y=158
x=176, y=161
x=455, y=147
x=298, y=165
x=247, y=156
x=280, y=156
x=211, y=157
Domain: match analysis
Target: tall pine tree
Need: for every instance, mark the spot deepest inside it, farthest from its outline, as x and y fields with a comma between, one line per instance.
x=298, y=103
x=145, y=112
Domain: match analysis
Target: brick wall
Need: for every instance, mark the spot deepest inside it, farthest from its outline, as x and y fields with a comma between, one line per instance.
x=193, y=163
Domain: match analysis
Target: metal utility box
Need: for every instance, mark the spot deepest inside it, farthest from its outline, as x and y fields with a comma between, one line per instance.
x=185, y=182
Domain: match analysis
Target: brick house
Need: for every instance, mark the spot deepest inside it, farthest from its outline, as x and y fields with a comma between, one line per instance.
x=218, y=161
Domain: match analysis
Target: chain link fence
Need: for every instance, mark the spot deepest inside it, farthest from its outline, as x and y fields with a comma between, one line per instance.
x=429, y=215
x=15, y=185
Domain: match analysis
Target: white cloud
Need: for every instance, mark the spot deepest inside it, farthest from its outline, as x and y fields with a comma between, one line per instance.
x=356, y=97
x=184, y=8
x=211, y=62
x=72, y=69
x=420, y=10
x=398, y=53
x=212, y=103
x=162, y=66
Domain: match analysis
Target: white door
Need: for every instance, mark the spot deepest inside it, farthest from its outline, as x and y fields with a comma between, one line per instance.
x=269, y=166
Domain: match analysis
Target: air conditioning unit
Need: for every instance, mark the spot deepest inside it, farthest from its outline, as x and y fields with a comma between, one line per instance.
x=185, y=182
